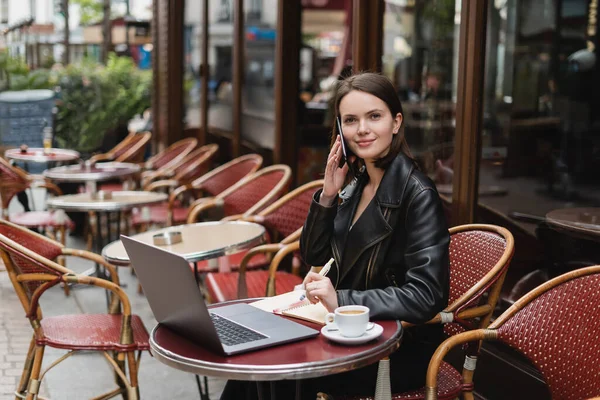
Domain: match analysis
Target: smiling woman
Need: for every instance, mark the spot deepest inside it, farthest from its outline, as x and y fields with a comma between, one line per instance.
x=387, y=235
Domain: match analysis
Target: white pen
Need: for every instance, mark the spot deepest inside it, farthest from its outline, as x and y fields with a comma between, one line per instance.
x=322, y=272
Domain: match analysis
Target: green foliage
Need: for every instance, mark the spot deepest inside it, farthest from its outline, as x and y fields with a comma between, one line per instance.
x=90, y=10
x=96, y=99
x=93, y=98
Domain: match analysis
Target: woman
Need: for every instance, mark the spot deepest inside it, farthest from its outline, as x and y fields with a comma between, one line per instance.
x=387, y=234
x=388, y=237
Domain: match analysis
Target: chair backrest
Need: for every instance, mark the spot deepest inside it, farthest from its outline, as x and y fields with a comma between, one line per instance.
x=130, y=149
x=12, y=181
x=134, y=151
x=217, y=180
x=256, y=191
x=288, y=214
x=479, y=257
x=14, y=243
x=173, y=155
x=556, y=327
x=195, y=164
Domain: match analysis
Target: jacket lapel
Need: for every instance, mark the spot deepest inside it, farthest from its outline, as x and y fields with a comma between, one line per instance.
x=372, y=227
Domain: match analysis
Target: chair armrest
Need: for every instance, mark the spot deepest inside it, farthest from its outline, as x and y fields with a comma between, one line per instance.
x=265, y=248
x=237, y=217
x=162, y=184
x=292, y=237
x=100, y=157
x=443, y=349
x=201, y=205
x=279, y=256
x=87, y=255
x=51, y=187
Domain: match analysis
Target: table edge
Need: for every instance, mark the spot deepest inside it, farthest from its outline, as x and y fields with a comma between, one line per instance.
x=193, y=257
x=269, y=373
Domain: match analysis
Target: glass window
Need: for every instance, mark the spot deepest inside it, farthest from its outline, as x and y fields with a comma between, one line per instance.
x=325, y=55
x=258, y=88
x=192, y=50
x=220, y=62
x=541, y=135
x=420, y=53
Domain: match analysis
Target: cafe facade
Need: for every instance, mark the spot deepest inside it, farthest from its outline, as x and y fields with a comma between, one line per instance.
x=499, y=98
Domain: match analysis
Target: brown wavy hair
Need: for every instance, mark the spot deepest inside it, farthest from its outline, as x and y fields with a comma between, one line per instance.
x=381, y=87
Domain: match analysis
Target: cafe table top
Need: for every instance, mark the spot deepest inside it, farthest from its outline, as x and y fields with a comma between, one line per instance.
x=92, y=173
x=584, y=222
x=303, y=359
x=40, y=155
x=119, y=201
x=200, y=241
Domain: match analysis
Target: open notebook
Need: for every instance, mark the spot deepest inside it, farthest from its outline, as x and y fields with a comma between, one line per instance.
x=287, y=304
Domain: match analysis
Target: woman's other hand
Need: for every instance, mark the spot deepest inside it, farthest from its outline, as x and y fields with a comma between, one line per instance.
x=334, y=175
x=320, y=288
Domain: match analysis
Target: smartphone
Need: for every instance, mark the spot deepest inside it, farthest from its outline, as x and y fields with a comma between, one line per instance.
x=344, y=152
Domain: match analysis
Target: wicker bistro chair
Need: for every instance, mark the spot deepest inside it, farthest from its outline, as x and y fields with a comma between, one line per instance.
x=285, y=217
x=555, y=326
x=190, y=168
x=479, y=258
x=172, y=155
x=28, y=258
x=246, y=197
x=130, y=149
x=212, y=183
x=14, y=180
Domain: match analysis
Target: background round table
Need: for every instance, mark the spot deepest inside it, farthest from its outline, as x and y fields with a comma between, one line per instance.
x=583, y=222
x=38, y=155
x=120, y=201
x=201, y=241
x=303, y=359
x=95, y=173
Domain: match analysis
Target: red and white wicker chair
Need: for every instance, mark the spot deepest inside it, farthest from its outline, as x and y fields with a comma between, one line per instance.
x=14, y=180
x=192, y=166
x=118, y=334
x=285, y=217
x=246, y=197
x=172, y=155
x=212, y=183
x=479, y=258
x=555, y=326
x=131, y=149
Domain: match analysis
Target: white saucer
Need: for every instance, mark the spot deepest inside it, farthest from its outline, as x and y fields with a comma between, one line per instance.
x=337, y=337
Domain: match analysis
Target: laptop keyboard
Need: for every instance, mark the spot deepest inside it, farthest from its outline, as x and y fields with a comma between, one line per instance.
x=232, y=334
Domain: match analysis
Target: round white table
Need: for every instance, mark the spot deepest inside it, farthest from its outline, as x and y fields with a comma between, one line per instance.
x=200, y=241
x=120, y=201
x=40, y=155
x=91, y=174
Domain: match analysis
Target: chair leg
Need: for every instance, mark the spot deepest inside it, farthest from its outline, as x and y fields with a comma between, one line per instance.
x=33, y=387
x=134, y=392
x=120, y=361
x=203, y=391
x=26, y=370
x=467, y=375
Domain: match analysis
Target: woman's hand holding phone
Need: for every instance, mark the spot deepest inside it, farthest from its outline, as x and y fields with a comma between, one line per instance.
x=335, y=175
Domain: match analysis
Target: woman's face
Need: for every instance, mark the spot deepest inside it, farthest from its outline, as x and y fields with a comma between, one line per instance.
x=368, y=125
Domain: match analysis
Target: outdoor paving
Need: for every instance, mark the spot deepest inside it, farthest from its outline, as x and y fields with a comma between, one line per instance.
x=85, y=375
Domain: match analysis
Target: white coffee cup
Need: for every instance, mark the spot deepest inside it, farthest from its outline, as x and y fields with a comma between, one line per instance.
x=352, y=321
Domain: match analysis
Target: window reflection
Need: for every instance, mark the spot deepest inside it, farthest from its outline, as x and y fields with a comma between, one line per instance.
x=541, y=142
x=420, y=50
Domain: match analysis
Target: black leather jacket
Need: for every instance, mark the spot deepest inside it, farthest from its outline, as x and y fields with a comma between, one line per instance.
x=394, y=260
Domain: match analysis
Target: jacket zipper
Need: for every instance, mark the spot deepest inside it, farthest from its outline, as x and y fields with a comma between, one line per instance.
x=336, y=255
x=375, y=253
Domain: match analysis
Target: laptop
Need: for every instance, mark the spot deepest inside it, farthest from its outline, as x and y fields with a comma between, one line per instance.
x=177, y=302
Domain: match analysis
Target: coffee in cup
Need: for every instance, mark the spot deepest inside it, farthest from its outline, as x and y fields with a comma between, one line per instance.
x=352, y=321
